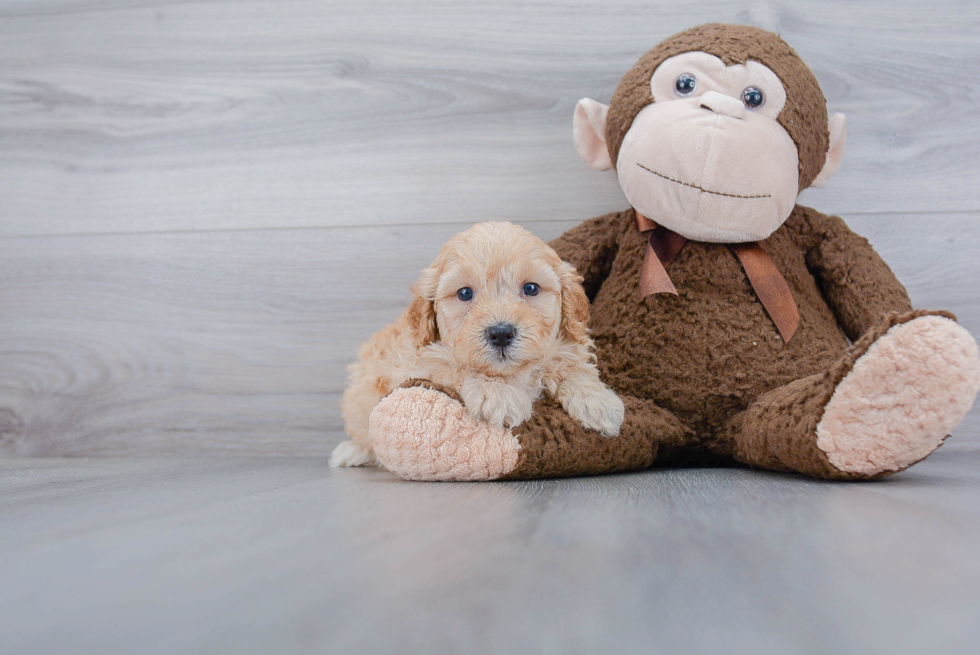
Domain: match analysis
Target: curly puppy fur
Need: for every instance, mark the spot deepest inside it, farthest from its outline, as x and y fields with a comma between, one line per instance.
x=448, y=338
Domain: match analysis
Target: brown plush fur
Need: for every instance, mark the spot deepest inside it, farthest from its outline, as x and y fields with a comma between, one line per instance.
x=777, y=430
x=804, y=116
x=705, y=373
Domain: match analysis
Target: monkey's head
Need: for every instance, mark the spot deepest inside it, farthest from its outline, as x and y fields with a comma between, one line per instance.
x=714, y=133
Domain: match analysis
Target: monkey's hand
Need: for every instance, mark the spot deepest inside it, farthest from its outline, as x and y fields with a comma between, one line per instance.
x=422, y=432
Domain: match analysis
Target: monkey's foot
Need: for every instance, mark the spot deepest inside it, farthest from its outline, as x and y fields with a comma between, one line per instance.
x=419, y=433
x=902, y=398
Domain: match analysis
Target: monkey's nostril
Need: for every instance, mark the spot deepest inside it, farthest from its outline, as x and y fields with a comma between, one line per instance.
x=501, y=334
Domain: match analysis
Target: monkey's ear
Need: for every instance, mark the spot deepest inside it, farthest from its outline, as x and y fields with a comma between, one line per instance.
x=835, y=153
x=422, y=311
x=589, y=131
x=574, y=305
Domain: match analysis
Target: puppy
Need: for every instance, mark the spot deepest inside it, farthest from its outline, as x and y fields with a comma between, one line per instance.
x=499, y=318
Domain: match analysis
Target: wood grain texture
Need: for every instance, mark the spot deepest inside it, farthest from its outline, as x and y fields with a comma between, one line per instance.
x=156, y=116
x=205, y=206
x=288, y=556
x=236, y=342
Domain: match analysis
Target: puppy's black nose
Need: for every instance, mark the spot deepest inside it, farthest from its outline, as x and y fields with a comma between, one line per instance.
x=501, y=334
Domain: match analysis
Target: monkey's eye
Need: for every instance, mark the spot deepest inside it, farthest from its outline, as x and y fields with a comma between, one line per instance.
x=685, y=84
x=753, y=97
x=531, y=289
x=465, y=294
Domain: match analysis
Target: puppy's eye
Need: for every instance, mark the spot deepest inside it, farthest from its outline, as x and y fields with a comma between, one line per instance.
x=465, y=294
x=531, y=289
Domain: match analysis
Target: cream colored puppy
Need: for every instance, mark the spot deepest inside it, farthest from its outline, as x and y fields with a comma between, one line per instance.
x=499, y=318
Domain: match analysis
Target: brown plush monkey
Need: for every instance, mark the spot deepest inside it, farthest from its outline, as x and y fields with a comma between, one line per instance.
x=733, y=323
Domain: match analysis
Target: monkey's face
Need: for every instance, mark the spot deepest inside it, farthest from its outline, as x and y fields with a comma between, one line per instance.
x=707, y=159
x=702, y=147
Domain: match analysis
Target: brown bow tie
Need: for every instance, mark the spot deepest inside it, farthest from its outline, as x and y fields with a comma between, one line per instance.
x=767, y=282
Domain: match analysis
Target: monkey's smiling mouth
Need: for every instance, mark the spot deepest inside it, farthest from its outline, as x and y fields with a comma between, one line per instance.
x=695, y=186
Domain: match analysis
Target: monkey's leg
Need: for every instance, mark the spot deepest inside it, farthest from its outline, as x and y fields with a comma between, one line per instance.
x=888, y=403
x=423, y=432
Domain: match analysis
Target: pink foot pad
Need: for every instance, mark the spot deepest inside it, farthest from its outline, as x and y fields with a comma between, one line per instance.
x=422, y=434
x=902, y=398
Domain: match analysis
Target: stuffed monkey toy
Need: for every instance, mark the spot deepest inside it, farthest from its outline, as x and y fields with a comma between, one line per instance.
x=734, y=324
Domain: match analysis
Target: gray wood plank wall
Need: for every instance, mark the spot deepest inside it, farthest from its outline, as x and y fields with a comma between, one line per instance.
x=205, y=206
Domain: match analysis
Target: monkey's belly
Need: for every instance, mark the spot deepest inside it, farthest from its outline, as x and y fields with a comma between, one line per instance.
x=707, y=353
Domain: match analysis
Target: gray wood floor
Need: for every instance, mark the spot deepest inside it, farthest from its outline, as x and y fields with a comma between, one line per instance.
x=271, y=555
x=205, y=206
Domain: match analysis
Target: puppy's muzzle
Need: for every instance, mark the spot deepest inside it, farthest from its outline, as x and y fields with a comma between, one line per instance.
x=501, y=335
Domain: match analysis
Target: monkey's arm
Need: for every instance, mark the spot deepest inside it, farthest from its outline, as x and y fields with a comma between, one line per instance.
x=856, y=282
x=591, y=248
x=423, y=432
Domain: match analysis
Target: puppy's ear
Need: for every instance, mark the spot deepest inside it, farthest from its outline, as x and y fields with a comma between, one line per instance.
x=422, y=311
x=574, y=305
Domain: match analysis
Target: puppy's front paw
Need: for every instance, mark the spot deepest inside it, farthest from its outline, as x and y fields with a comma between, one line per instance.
x=596, y=408
x=497, y=403
x=516, y=410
